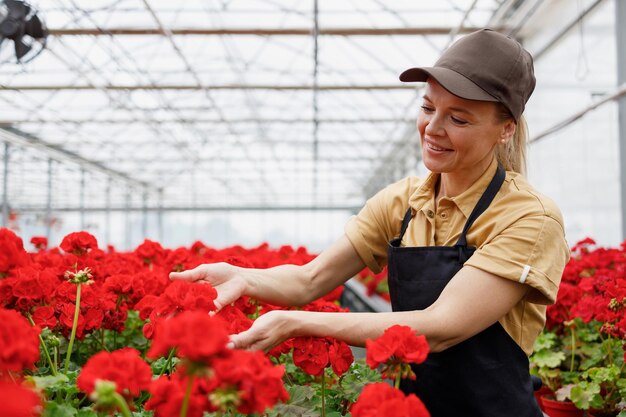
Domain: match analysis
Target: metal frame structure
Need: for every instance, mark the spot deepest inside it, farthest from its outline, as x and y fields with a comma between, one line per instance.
x=153, y=106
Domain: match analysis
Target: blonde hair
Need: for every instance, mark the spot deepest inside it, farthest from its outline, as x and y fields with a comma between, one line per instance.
x=512, y=154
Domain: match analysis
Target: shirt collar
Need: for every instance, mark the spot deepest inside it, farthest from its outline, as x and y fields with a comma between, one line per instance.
x=466, y=201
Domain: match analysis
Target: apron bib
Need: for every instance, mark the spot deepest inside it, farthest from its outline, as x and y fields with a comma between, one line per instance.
x=485, y=375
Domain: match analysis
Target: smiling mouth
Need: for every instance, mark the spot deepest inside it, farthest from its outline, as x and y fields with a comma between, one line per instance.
x=436, y=148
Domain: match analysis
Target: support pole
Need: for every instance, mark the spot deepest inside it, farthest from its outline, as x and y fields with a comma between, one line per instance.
x=144, y=214
x=5, y=186
x=127, y=212
x=48, y=217
x=107, y=213
x=160, y=216
x=620, y=40
x=82, y=199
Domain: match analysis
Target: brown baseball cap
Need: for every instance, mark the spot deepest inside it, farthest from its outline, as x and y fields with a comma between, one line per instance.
x=484, y=65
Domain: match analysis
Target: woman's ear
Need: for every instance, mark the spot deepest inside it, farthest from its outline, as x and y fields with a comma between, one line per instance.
x=508, y=130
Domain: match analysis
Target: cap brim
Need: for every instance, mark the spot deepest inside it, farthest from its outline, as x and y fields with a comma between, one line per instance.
x=451, y=80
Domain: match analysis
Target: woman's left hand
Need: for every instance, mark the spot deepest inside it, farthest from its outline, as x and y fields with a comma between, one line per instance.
x=267, y=331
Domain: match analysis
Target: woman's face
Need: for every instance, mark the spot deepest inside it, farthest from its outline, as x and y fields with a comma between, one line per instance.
x=459, y=136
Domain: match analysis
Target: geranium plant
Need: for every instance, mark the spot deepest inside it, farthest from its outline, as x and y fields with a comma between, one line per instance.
x=581, y=354
x=89, y=333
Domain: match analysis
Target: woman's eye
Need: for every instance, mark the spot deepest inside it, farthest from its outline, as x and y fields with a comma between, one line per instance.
x=426, y=109
x=458, y=121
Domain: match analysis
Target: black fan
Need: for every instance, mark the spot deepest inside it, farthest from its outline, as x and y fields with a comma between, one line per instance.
x=19, y=22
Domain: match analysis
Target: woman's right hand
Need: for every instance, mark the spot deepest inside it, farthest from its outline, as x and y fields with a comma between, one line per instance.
x=225, y=278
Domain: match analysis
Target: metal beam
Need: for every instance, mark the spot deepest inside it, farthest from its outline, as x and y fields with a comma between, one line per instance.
x=5, y=185
x=39, y=121
x=25, y=140
x=197, y=87
x=620, y=41
x=362, y=31
x=618, y=94
x=164, y=209
x=538, y=54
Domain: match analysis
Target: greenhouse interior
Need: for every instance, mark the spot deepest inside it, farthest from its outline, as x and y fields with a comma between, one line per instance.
x=272, y=151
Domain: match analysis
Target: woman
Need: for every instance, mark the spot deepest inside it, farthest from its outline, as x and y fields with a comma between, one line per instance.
x=474, y=253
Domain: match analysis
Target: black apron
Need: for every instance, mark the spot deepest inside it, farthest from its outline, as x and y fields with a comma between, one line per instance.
x=485, y=375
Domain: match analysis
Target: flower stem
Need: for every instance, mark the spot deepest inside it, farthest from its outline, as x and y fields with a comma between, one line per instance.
x=121, y=403
x=169, y=360
x=324, y=393
x=397, y=382
x=74, y=326
x=53, y=367
x=185, y=406
x=571, y=366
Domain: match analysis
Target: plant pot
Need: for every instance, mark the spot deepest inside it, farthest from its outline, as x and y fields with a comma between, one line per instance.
x=554, y=408
x=544, y=390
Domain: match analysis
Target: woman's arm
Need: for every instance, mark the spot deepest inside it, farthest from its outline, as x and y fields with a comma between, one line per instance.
x=471, y=302
x=285, y=285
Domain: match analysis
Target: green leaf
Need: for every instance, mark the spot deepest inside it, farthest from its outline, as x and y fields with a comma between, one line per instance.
x=621, y=414
x=585, y=395
x=545, y=340
x=45, y=382
x=300, y=394
x=548, y=359
x=59, y=410
x=86, y=412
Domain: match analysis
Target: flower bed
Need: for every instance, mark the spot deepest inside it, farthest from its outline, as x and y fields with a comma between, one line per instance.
x=87, y=332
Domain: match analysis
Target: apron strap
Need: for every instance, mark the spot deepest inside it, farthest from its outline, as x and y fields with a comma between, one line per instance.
x=405, y=222
x=483, y=203
x=481, y=206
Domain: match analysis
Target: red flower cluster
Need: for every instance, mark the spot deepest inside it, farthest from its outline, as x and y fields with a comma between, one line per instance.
x=314, y=354
x=397, y=345
x=382, y=400
x=124, y=367
x=78, y=243
x=593, y=287
x=19, y=342
x=39, y=242
x=252, y=376
x=244, y=380
x=178, y=296
x=375, y=283
x=12, y=253
x=195, y=335
x=16, y=400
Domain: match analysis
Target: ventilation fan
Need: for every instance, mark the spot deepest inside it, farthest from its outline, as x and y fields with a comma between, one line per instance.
x=19, y=23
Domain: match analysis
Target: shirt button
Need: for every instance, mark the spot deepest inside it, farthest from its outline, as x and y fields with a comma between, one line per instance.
x=430, y=214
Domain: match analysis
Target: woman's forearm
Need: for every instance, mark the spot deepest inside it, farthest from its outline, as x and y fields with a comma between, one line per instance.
x=294, y=285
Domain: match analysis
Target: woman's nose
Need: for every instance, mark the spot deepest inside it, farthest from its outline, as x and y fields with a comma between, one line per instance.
x=434, y=125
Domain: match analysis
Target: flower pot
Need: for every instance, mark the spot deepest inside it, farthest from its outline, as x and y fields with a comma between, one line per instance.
x=544, y=390
x=554, y=408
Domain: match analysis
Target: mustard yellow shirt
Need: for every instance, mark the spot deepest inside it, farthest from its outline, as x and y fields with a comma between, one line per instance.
x=519, y=237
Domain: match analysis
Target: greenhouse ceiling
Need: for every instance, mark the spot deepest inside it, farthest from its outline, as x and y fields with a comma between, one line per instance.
x=225, y=104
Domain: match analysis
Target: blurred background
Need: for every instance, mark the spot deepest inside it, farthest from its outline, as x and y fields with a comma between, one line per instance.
x=249, y=121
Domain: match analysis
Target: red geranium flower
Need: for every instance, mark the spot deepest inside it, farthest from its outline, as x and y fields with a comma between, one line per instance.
x=380, y=399
x=252, y=376
x=18, y=401
x=39, y=242
x=167, y=394
x=149, y=251
x=124, y=367
x=19, y=342
x=195, y=335
x=398, y=345
x=313, y=354
x=78, y=243
x=12, y=251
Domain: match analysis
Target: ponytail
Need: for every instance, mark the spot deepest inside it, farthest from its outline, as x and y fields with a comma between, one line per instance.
x=512, y=154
